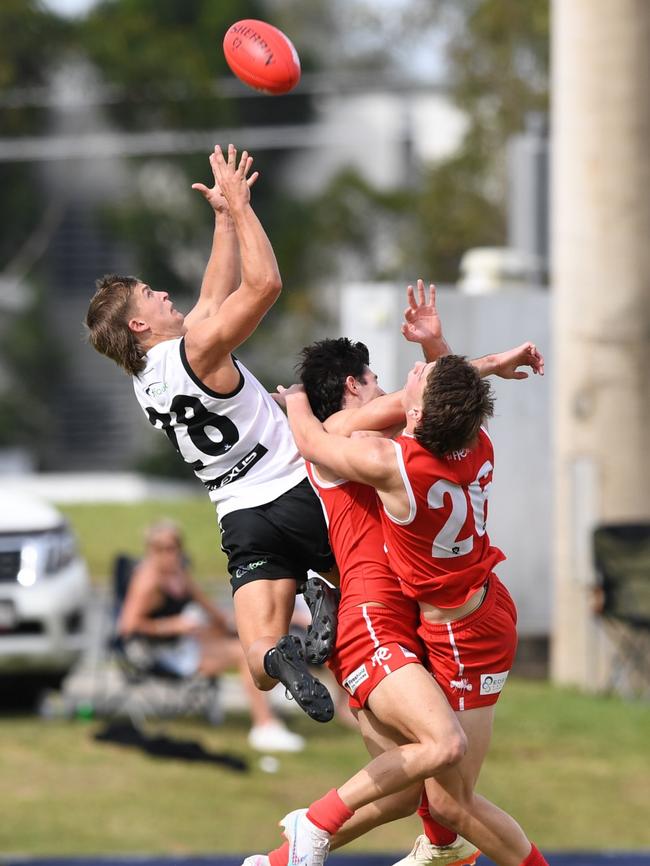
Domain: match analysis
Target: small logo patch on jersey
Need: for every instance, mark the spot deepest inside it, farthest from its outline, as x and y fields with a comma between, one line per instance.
x=457, y=455
x=156, y=389
x=381, y=656
x=491, y=684
x=355, y=679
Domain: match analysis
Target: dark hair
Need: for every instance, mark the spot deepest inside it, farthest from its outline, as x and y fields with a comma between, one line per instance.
x=323, y=369
x=455, y=402
x=108, y=325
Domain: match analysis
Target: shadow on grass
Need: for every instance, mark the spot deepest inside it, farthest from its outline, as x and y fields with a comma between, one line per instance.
x=125, y=733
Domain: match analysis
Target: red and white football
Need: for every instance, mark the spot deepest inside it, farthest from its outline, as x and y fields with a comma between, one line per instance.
x=261, y=56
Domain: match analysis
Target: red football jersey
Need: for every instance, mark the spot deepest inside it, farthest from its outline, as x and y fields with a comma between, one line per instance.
x=352, y=512
x=442, y=551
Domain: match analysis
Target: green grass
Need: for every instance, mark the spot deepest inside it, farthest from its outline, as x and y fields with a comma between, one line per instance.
x=104, y=530
x=573, y=769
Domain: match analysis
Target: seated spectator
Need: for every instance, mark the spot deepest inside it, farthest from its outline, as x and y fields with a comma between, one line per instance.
x=188, y=634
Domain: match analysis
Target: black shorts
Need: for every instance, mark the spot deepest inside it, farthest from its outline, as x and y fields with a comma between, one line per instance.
x=282, y=538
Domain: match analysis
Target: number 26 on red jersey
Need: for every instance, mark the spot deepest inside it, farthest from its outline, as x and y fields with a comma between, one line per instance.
x=447, y=544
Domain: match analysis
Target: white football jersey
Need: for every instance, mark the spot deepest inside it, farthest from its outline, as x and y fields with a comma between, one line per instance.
x=239, y=444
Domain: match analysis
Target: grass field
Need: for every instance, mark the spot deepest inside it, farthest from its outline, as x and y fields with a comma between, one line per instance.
x=573, y=769
x=105, y=530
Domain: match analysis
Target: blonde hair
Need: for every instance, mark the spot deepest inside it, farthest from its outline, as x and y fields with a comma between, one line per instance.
x=108, y=325
x=163, y=527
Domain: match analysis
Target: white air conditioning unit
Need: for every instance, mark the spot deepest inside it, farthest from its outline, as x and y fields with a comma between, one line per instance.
x=484, y=270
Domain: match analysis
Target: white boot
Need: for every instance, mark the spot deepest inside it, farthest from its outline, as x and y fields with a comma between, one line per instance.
x=425, y=853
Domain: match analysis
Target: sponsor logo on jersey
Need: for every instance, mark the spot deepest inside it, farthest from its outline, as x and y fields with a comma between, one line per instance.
x=381, y=656
x=355, y=679
x=491, y=684
x=245, y=570
x=156, y=389
x=239, y=469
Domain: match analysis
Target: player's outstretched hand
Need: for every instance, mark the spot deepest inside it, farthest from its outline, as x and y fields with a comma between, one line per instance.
x=421, y=319
x=526, y=355
x=213, y=195
x=422, y=323
x=281, y=393
x=232, y=178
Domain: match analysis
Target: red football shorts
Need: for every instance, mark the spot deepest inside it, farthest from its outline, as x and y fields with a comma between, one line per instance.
x=371, y=643
x=471, y=658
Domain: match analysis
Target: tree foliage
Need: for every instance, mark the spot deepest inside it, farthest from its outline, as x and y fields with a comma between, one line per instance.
x=498, y=57
x=499, y=65
x=496, y=71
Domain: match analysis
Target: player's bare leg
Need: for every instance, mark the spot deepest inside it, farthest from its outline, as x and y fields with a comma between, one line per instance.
x=263, y=611
x=378, y=738
x=454, y=804
x=308, y=831
x=435, y=739
x=452, y=800
x=381, y=742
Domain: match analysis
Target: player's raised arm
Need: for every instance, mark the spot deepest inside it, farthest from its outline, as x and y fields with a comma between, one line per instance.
x=370, y=461
x=213, y=338
x=422, y=325
x=222, y=273
x=505, y=364
x=387, y=410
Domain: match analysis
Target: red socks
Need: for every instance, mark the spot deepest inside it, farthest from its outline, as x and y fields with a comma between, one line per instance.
x=534, y=858
x=435, y=833
x=280, y=856
x=329, y=813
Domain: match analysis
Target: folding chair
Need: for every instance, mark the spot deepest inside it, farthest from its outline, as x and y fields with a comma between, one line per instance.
x=150, y=689
x=622, y=560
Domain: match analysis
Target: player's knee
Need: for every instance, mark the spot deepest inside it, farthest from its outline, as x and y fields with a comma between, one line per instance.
x=448, y=751
x=452, y=748
x=457, y=746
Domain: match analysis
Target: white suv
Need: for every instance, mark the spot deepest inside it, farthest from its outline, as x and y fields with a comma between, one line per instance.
x=44, y=593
